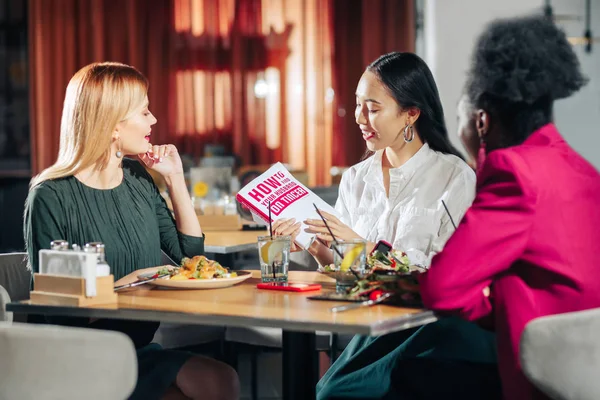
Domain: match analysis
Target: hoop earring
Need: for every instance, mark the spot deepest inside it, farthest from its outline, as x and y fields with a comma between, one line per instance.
x=412, y=133
x=119, y=153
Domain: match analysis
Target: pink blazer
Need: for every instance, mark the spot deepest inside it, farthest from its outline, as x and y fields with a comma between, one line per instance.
x=533, y=236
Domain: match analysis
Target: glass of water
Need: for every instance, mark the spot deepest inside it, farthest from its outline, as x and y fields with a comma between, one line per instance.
x=349, y=260
x=274, y=256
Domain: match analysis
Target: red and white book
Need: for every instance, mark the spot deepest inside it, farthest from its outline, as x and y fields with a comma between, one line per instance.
x=287, y=197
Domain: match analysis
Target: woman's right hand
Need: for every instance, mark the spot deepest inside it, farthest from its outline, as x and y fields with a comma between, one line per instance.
x=288, y=227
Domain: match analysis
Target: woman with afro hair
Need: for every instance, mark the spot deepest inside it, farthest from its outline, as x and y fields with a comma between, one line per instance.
x=528, y=246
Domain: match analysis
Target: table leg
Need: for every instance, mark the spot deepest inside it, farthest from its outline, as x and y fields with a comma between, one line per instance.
x=300, y=365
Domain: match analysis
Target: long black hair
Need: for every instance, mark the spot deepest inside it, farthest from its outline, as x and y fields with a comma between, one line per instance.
x=519, y=67
x=410, y=82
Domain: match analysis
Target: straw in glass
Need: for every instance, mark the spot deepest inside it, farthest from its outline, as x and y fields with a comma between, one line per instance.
x=271, y=234
x=335, y=241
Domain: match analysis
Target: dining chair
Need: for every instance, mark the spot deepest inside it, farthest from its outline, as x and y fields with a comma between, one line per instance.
x=15, y=279
x=92, y=364
x=560, y=355
x=5, y=316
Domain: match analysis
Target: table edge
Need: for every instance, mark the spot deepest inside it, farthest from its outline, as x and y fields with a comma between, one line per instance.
x=229, y=249
x=388, y=326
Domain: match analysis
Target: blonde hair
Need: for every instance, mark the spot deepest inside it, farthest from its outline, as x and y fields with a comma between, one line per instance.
x=98, y=97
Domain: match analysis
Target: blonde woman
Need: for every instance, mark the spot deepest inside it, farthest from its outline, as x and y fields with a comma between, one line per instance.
x=93, y=194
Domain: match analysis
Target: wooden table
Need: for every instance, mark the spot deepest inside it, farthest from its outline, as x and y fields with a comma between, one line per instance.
x=244, y=305
x=228, y=242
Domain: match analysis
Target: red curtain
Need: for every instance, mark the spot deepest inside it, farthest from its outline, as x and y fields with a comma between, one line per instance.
x=364, y=30
x=257, y=81
x=66, y=35
x=219, y=50
x=265, y=78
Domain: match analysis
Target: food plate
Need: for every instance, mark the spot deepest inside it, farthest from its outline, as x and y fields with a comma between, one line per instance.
x=213, y=283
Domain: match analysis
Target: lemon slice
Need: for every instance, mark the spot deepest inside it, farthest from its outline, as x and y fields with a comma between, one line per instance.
x=264, y=252
x=200, y=189
x=271, y=250
x=350, y=257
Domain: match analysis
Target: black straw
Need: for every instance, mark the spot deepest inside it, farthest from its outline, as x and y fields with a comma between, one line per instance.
x=270, y=223
x=449, y=215
x=329, y=229
x=335, y=241
x=271, y=234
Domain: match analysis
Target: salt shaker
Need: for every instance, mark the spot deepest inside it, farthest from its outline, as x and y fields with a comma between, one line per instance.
x=102, y=267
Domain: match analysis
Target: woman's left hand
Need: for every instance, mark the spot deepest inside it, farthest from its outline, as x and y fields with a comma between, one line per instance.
x=340, y=230
x=163, y=159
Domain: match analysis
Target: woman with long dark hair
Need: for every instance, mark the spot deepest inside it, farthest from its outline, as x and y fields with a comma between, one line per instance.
x=395, y=195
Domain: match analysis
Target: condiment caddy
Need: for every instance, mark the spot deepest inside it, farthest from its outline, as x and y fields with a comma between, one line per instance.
x=73, y=276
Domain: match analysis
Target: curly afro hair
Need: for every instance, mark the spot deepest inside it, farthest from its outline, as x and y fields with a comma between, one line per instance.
x=519, y=67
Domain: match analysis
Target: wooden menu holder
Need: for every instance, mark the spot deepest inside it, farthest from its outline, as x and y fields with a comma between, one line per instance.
x=70, y=291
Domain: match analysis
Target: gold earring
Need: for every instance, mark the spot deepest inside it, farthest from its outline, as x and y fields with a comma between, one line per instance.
x=408, y=128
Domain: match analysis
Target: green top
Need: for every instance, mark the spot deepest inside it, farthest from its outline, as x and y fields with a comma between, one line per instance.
x=132, y=220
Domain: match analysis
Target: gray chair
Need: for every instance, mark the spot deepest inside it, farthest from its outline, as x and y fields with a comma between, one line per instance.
x=15, y=278
x=5, y=316
x=94, y=364
x=560, y=355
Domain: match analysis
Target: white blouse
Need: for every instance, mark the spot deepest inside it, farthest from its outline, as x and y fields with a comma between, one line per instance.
x=413, y=218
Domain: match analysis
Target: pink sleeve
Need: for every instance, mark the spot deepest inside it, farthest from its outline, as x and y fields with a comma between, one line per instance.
x=490, y=238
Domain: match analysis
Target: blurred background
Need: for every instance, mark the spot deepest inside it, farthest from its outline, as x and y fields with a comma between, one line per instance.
x=240, y=84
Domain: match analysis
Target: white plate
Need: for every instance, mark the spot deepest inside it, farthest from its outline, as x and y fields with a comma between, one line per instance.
x=215, y=283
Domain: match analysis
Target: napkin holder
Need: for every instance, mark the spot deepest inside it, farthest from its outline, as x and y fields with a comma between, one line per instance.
x=72, y=278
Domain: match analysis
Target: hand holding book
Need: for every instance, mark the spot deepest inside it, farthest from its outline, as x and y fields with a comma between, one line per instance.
x=288, y=227
x=289, y=199
x=340, y=230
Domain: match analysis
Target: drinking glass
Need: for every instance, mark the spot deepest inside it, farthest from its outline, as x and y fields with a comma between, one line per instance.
x=274, y=256
x=349, y=260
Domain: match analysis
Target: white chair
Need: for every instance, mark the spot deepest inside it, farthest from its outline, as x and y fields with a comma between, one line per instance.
x=59, y=363
x=560, y=355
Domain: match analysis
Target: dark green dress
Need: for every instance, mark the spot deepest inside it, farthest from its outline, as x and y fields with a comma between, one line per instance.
x=134, y=223
x=448, y=359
